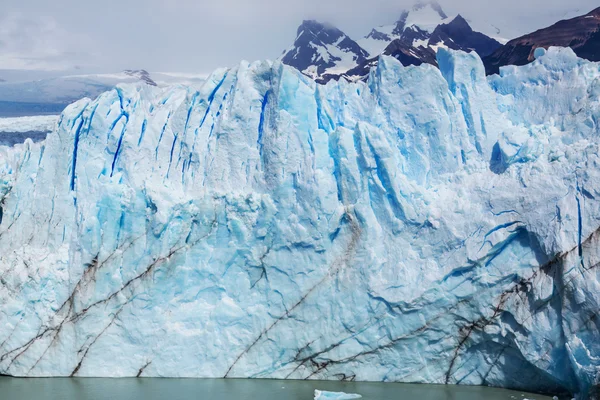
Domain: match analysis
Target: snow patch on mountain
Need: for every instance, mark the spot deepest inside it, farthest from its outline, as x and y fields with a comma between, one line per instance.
x=323, y=52
x=423, y=18
x=321, y=49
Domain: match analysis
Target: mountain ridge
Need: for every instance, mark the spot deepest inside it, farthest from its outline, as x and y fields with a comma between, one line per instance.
x=581, y=33
x=320, y=48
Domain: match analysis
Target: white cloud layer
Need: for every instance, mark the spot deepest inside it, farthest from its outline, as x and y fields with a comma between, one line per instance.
x=39, y=42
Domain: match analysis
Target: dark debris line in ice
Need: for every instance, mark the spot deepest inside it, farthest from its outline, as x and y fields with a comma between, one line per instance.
x=336, y=266
x=72, y=316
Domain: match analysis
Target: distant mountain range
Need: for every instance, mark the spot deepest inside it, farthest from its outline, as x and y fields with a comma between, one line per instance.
x=51, y=95
x=323, y=52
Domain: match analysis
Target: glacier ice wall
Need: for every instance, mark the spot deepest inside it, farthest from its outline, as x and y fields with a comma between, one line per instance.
x=426, y=226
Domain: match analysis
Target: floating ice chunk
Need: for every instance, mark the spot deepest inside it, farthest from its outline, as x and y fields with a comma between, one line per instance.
x=539, y=52
x=324, y=395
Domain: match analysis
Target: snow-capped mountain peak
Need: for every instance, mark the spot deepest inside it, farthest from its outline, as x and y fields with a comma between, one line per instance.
x=321, y=49
x=414, y=25
x=457, y=34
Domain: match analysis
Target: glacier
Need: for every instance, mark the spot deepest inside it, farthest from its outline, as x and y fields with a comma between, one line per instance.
x=425, y=226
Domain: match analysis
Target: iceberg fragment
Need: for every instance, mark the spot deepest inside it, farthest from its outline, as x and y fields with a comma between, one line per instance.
x=325, y=395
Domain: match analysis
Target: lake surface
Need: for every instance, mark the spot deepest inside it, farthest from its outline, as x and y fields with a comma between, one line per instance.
x=12, y=138
x=20, y=109
x=234, y=389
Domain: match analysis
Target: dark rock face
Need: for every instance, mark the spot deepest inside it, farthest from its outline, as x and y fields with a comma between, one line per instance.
x=590, y=49
x=410, y=55
x=405, y=53
x=458, y=35
x=311, y=48
x=142, y=75
x=375, y=34
x=401, y=24
x=582, y=34
x=412, y=34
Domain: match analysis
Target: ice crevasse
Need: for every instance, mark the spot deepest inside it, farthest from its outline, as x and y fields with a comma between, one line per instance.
x=425, y=226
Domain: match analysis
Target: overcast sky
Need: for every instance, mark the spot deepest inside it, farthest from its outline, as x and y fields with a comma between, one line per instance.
x=198, y=36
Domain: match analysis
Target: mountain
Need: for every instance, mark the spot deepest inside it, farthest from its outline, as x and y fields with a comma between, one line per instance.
x=140, y=74
x=581, y=33
x=413, y=40
x=52, y=94
x=414, y=26
x=398, y=49
x=266, y=226
x=409, y=49
x=321, y=49
x=458, y=35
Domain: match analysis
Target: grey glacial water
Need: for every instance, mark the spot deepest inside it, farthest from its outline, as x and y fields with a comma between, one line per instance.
x=235, y=389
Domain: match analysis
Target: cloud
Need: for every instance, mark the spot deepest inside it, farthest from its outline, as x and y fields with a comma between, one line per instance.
x=200, y=35
x=38, y=42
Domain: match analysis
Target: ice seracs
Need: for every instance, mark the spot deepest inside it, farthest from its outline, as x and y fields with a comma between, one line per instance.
x=428, y=225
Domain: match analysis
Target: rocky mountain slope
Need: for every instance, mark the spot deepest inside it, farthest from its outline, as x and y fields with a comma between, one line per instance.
x=582, y=34
x=321, y=49
x=324, y=52
x=455, y=34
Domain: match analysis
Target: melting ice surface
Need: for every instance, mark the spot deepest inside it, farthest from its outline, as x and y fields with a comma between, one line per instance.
x=325, y=395
x=427, y=226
